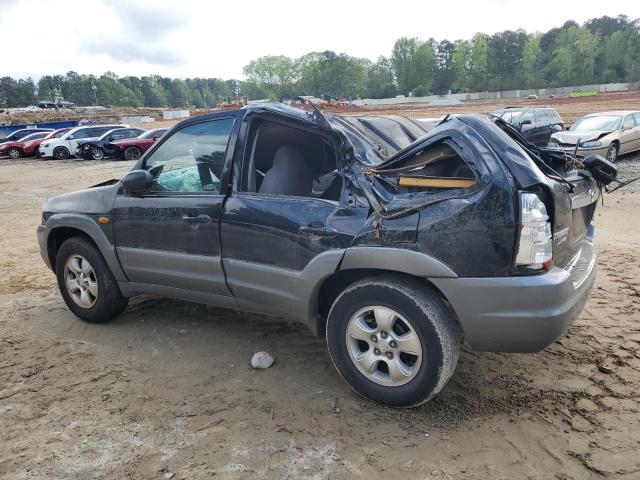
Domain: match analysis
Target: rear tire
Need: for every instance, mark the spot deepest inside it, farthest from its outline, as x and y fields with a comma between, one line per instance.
x=87, y=285
x=61, y=153
x=393, y=340
x=132, y=153
x=612, y=153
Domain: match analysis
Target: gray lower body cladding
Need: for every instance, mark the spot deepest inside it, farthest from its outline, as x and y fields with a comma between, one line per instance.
x=521, y=314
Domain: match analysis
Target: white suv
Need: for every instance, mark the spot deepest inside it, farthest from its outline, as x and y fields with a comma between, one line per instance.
x=63, y=147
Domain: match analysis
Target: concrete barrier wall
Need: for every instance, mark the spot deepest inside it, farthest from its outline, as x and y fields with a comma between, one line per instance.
x=134, y=119
x=541, y=92
x=174, y=114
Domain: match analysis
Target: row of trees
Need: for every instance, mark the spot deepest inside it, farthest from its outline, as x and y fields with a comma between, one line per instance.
x=602, y=50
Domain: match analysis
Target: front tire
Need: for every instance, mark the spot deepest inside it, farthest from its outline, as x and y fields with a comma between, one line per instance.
x=97, y=153
x=61, y=153
x=14, y=153
x=87, y=285
x=612, y=153
x=393, y=340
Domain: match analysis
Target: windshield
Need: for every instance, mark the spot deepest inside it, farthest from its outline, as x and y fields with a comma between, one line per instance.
x=510, y=116
x=60, y=133
x=152, y=133
x=34, y=136
x=604, y=122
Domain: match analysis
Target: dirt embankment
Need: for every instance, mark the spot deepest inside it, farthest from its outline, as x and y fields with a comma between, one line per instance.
x=569, y=109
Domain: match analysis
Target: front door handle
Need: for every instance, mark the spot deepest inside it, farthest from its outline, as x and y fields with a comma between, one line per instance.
x=318, y=229
x=197, y=219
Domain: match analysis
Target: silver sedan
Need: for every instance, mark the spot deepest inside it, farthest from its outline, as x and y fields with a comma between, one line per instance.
x=609, y=134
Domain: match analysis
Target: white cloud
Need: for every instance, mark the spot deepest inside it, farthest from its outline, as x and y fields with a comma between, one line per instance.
x=201, y=38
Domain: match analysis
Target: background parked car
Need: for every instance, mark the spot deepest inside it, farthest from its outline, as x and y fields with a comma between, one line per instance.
x=94, y=149
x=31, y=147
x=20, y=134
x=536, y=124
x=133, y=148
x=15, y=149
x=63, y=147
x=47, y=104
x=58, y=104
x=609, y=134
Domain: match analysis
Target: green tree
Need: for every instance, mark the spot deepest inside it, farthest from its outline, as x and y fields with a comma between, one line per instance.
x=615, y=53
x=276, y=73
x=463, y=66
x=111, y=92
x=380, y=79
x=402, y=58
x=479, y=62
x=530, y=61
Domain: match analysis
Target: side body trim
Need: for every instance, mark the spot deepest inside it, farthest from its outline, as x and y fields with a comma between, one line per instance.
x=395, y=259
x=131, y=289
x=201, y=273
x=279, y=291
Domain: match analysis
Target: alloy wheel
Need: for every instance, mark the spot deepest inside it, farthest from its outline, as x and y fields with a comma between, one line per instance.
x=14, y=153
x=612, y=153
x=97, y=153
x=81, y=282
x=384, y=346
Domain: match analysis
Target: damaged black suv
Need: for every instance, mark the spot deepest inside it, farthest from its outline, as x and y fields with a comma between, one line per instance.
x=391, y=239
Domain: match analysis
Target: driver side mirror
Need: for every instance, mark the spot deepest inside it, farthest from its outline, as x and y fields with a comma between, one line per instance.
x=136, y=182
x=525, y=122
x=155, y=138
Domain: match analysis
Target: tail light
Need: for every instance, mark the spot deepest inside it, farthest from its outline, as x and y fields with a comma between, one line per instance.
x=534, y=241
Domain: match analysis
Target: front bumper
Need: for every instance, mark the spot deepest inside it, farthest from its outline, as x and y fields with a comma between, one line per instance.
x=521, y=314
x=586, y=151
x=43, y=236
x=45, y=152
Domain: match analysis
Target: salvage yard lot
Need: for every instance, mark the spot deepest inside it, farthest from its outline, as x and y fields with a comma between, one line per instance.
x=167, y=386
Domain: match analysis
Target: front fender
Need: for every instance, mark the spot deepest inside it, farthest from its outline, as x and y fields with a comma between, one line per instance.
x=84, y=224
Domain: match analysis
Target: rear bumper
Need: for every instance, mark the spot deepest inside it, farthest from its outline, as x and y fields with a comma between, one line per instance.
x=521, y=314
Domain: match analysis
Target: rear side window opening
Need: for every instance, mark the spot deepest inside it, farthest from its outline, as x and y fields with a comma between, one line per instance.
x=437, y=167
x=283, y=160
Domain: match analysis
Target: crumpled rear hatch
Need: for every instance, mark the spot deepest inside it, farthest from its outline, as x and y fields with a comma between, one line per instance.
x=573, y=213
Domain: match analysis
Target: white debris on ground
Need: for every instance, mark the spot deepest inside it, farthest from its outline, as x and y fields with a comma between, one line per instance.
x=261, y=360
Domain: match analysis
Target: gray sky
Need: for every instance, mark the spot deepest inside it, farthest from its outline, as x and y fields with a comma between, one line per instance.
x=216, y=39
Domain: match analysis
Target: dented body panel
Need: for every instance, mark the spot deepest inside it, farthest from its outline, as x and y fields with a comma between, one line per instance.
x=275, y=254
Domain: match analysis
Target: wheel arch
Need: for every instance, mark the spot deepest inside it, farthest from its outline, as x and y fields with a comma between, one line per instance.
x=63, y=147
x=373, y=262
x=63, y=227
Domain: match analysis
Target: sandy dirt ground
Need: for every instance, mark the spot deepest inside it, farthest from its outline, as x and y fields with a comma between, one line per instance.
x=167, y=388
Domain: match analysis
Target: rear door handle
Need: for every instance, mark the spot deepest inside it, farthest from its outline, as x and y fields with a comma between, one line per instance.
x=318, y=229
x=197, y=219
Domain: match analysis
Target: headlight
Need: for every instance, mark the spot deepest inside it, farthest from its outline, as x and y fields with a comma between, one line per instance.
x=591, y=144
x=44, y=145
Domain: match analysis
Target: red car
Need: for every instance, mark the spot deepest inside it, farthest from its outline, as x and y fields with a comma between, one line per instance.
x=30, y=146
x=16, y=149
x=133, y=148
